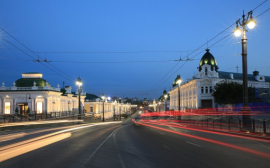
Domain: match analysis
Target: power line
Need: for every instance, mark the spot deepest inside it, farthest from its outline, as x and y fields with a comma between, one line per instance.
x=212, y=44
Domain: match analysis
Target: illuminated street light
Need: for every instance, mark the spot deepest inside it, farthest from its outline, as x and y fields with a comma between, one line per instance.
x=165, y=98
x=103, y=98
x=79, y=84
x=246, y=21
x=237, y=32
x=179, y=81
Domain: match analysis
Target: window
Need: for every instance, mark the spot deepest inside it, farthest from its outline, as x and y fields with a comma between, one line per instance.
x=206, y=89
x=206, y=70
x=39, y=107
x=211, y=89
x=7, y=107
x=91, y=109
x=202, y=90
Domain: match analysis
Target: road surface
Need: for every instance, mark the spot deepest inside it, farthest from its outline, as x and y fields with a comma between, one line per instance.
x=126, y=145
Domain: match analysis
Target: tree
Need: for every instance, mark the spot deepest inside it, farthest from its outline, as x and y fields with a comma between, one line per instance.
x=230, y=93
x=28, y=111
x=16, y=111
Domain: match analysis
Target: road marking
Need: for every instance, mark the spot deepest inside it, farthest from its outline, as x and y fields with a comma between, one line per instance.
x=119, y=155
x=113, y=133
x=193, y=144
x=166, y=147
x=161, y=133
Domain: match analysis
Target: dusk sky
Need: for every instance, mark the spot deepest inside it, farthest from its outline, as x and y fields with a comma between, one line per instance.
x=126, y=47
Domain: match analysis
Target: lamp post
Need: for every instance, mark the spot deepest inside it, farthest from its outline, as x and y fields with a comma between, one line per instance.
x=103, y=98
x=179, y=108
x=165, y=98
x=114, y=110
x=79, y=84
x=250, y=23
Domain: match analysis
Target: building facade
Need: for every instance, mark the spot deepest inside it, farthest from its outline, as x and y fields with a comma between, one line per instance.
x=197, y=92
x=111, y=108
x=34, y=94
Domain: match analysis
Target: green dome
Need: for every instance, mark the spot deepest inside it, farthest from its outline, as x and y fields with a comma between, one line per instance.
x=29, y=82
x=209, y=59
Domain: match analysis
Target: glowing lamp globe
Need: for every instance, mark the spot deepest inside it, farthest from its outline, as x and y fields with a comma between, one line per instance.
x=251, y=24
x=237, y=32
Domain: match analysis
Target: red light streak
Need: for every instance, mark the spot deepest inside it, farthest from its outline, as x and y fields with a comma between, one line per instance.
x=262, y=154
x=212, y=132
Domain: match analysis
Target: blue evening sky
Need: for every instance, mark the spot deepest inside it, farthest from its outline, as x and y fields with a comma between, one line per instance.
x=126, y=47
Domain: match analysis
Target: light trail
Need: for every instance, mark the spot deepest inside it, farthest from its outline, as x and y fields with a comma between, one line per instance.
x=16, y=149
x=11, y=153
x=211, y=132
x=8, y=137
x=262, y=154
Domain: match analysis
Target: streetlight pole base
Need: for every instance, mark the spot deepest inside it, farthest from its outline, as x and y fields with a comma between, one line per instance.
x=246, y=118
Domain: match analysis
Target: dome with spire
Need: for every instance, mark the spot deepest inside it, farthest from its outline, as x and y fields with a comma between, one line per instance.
x=208, y=59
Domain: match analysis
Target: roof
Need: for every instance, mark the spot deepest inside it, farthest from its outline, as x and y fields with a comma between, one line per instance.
x=29, y=82
x=31, y=73
x=239, y=76
x=90, y=96
x=209, y=59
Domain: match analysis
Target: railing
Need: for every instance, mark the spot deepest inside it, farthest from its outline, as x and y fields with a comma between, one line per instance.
x=39, y=116
x=228, y=124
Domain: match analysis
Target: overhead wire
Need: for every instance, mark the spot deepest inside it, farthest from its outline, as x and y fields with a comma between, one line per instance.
x=209, y=46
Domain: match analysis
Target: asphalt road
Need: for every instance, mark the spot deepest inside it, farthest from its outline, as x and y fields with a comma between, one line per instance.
x=126, y=145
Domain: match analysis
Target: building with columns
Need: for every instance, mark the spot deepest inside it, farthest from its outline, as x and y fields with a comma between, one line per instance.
x=36, y=94
x=111, y=108
x=197, y=92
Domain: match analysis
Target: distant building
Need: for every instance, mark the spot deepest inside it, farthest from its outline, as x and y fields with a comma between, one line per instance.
x=111, y=108
x=197, y=92
x=33, y=92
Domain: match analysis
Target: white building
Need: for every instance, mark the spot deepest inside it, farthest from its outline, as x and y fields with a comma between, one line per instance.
x=35, y=93
x=197, y=93
x=110, y=108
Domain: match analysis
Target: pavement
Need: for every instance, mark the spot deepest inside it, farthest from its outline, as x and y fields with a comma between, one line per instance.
x=129, y=145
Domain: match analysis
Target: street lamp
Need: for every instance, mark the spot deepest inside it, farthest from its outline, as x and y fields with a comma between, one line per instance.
x=159, y=106
x=178, y=81
x=79, y=84
x=250, y=23
x=103, y=98
x=165, y=98
x=114, y=103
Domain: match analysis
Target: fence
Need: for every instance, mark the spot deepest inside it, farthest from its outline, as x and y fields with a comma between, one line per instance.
x=228, y=123
x=38, y=116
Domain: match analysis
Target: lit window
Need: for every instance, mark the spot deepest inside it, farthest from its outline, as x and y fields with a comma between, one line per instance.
x=39, y=107
x=7, y=107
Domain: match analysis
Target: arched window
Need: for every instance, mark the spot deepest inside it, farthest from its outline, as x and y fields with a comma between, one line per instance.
x=206, y=89
x=211, y=89
x=206, y=70
x=202, y=90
